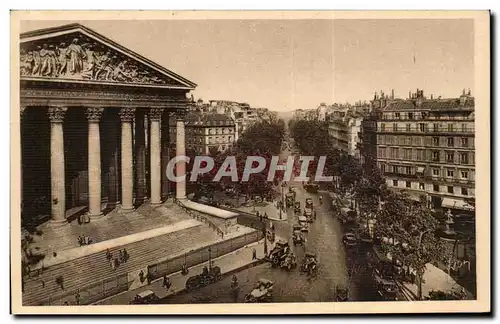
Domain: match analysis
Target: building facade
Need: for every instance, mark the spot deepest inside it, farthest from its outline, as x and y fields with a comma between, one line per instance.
x=426, y=146
x=94, y=123
x=207, y=132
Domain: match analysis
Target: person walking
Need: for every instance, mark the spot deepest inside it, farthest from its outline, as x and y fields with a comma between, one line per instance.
x=254, y=254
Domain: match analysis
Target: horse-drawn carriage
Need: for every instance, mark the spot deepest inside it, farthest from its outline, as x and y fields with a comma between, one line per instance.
x=310, y=264
x=207, y=277
x=262, y=292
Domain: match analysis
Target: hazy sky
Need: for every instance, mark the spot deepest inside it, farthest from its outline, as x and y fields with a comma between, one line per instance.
x=292, y=64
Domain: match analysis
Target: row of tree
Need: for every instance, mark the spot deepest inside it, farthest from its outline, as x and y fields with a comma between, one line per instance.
x=407, y=226
x=262, y=139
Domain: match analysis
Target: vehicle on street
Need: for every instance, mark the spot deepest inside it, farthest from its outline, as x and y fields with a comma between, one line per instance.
x=297, y=207
x=303, y=222
x=289, y=262
x=387, y=289
x=289, y=199
x=144, y=297
x=297, y=236
x=347, y=215
x=309, y=203
x=261, y=293
x=310, y=264
x=308, y=213
x=311, y=187
x=279, y=253
x=342, y=294
x=349, y=239
x=207, y=277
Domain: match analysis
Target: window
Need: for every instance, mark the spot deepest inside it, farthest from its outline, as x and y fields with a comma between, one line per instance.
x=395, y=183
x=464, y=158
x=395, y=127
x=464, y=174
x=464, y=128
x=382, y=167
x=229, y=138
x=465, y=192
x=381, y=152
x=435, y=187
x=382, y=127
x=450, y=189
x=421, y=127
x=420, y=155
x=407, y=154
x=410, y=115
x=421, y=186
x=449, y=173
x=436, y=128
x=408, y=170
x=435, y=156
x=408, y=127
x=209, y=139
x=450, y=142
x=397, y=115
x=408, y=184
x=450, y=157
x=435, y=141
x=394, y=153
x=435, y=171
x=451, y=127
x=464, y=142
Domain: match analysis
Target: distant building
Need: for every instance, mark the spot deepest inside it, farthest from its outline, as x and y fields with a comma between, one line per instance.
x=344, y=133
x=425, y=146
x=207, y=131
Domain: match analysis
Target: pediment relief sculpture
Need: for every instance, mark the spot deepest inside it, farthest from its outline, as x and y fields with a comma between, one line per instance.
x=80, y=57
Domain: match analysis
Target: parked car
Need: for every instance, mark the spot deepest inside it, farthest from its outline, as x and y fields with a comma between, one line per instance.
x=145, y=297
x=349, y=239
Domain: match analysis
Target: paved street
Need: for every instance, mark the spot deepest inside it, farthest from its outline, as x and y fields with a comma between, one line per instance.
x=324, y=238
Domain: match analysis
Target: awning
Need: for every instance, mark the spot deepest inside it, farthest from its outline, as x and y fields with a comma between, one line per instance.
x=456, y=204
x=420, y=169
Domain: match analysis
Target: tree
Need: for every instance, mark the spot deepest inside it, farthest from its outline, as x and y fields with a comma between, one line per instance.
x=409, y=228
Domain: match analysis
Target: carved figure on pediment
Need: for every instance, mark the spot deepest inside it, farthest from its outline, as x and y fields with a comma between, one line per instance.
x=62, y=51
x=90, y=64
x=119, y=73
x=26, y=62
x=37, y=61
x=103, y=66
x=48, y=60
x=76, y=56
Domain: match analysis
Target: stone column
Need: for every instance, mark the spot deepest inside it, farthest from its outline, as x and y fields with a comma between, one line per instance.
x=155, y=155
x=57, y=174
x=94, y=153
x=140, y=158
x=165, y=154
x=127, y=168
x=113, y=138
x=180, y=150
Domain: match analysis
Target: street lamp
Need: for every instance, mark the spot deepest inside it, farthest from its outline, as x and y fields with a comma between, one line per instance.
x=264, y=231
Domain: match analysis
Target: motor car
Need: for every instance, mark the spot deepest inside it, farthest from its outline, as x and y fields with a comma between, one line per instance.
x=349, y=239
x=145, y=297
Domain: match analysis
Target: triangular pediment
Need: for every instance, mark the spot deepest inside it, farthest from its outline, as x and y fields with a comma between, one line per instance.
x=74, y=52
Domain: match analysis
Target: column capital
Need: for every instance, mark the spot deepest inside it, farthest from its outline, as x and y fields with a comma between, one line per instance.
x=179, y=114
x=94, y=114
x=127, y=114
x=57, y=113
x=156, y=114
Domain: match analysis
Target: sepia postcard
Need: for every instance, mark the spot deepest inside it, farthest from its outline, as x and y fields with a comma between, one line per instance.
x=250, y=162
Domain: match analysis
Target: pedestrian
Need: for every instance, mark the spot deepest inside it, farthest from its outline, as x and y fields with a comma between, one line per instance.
x=165, y=281
x=77, y=298
x=79, y=240
x=112, y=263
x=125, y=255
x=43, y=283
x=108, y=255
x=120, y=256
x=168, y=283
x=254, y=254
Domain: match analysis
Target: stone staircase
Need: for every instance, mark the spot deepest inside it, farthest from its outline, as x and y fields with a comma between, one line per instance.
x=42, y=288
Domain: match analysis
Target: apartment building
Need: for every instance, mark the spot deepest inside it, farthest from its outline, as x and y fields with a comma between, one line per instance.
x=426, y=147
x=206, y=131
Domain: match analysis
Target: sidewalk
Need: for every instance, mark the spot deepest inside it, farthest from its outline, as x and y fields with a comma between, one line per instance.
x=228, y=263
x=269, y=208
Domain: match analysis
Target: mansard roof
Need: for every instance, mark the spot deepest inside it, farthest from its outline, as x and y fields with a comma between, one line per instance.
x=75, y=53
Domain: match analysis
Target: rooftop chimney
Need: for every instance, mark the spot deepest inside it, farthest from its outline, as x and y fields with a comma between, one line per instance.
x=392, y=94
